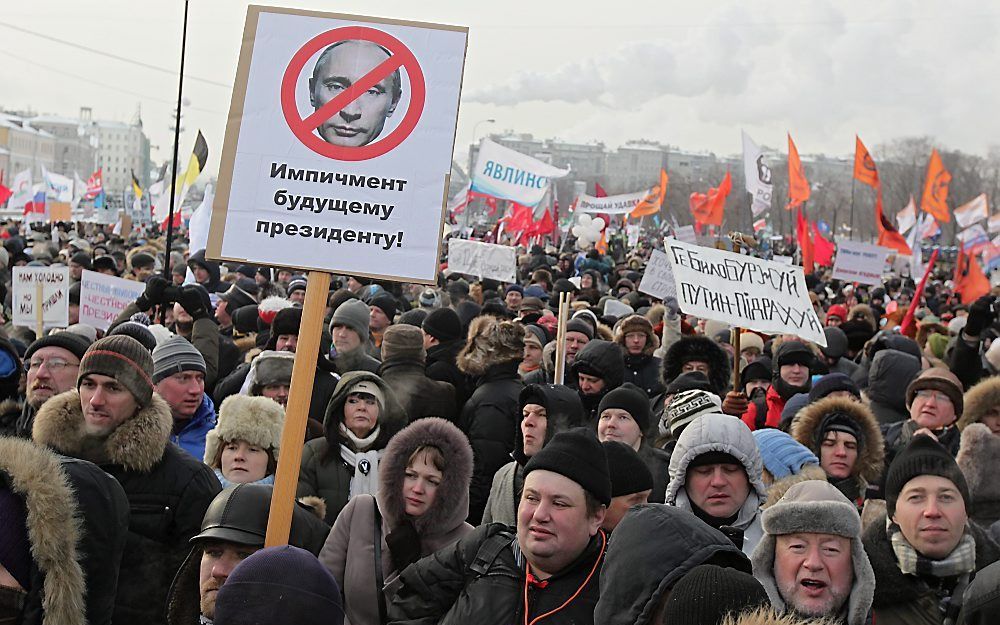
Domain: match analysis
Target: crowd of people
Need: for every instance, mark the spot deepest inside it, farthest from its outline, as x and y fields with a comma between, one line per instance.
x=449, y=475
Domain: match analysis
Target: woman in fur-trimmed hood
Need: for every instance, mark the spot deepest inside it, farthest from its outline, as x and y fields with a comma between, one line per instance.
x=243, y=446
x=835, y=429
x=422, y=502
x=982, y=405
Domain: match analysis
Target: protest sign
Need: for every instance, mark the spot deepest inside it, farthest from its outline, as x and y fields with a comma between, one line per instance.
x=339, y=144
x=103, y=297
x=507, y=174
x=860, y=262
x=658, y=278
x=610, y=205
x=686, y=234
x=743, y=291
x=783, y=260
x=48, y=285
x=633, y=232
x=485, y=260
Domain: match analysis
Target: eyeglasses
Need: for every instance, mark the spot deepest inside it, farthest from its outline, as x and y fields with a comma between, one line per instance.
x=937, y=396
x=54, y=364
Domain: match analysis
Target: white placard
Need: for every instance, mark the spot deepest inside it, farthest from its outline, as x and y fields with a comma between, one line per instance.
x=103, y=297
x=339, y=144
x=55, y=296
x=743, y=291
x=611, y=204
x=687, y=234
x=485, y=260
x=658, y=278
x=860, y=262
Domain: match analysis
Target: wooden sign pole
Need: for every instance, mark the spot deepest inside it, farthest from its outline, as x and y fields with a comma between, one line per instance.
x=279, y=522
x=39, y=313
x=560, y=372
x=736, y=359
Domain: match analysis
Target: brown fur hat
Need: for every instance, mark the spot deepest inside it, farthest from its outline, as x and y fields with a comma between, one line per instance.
x=637, y=323
x=979, y=401
x=491, y=342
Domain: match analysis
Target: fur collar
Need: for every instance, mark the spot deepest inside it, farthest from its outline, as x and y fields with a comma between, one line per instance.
x=978, y=456
x=451, y=503
x=35, y=474
x=137, y=444
x=871, y=460
x=980, y=400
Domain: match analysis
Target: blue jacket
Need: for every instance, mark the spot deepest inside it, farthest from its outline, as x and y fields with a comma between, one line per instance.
x=192, y=438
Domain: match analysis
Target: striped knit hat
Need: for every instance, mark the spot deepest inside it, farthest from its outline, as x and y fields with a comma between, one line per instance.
x=174, y=355
x=124, y=359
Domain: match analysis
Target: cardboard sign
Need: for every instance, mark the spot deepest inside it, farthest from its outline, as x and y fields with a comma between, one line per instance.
x=860, y=262
x=55, y=285
x=743, y=291
x=658, y=277
x=339, y=144
x=102, y=297
x=485, y=260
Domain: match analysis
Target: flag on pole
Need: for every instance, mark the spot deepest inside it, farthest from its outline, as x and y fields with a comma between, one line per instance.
x=935, y=198
x=970, y=281
x=805, y=242
x=909, y=326
x=5, y=191
x=907, y=218
x=757, y=176
x=57, y=187
x=798, y=186
x=759, y=225
x=888, y=236
x=708, y=208
x=457, y=204
x=865, y=171
x=973, y=211
x=916, y=258
x=183, y=182
x=822, y=248
x=22, y=190
x=653, y=202
x=95, y=184
x=929, y=227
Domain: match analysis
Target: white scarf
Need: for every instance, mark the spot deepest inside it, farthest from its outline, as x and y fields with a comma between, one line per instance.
x=364, y=463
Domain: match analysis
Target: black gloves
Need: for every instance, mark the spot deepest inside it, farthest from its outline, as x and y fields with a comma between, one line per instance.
x=981, y=315
x=156, y=291
x=404, y=545
x=195, y=301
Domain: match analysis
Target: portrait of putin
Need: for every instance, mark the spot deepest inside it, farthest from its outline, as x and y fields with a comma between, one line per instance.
x=338, y=67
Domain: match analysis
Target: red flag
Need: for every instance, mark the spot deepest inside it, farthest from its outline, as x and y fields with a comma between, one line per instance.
x=970, y=281
x=888, y=236
x=864, y=166
x=708, y=208
x=909, y=326
x=5, y=193
x=95, y=184
x=599, y=190
x=934, y=200
x=805, y=241
x=798, y=186
x=518, y=219
x=822, y=249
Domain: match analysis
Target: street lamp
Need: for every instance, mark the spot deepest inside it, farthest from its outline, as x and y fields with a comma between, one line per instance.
x=475, y=129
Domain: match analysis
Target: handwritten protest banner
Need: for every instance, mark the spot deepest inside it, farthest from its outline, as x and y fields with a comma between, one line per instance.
x=485, y=260
x=50, y=286
x=658, y=278
x=102, y=298
x=743, y=291
x=860, y=262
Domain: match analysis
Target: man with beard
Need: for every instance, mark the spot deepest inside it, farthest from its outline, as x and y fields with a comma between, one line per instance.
x=52, y=363
x=789, y=376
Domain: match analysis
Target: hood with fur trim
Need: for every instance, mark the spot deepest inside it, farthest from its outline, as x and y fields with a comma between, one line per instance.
x=703, y=349
x=767, y=616
x=979, y=401
x=865, y=312
x=391, y=418
x=35, y=474
x=451, y=503
x=491, y=342
x=137, y=444
x=871, y=457
x=637, y=323
x=978, y=456
x=256, y=420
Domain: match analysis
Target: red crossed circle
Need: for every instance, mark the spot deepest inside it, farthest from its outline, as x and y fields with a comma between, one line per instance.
x=401, y=57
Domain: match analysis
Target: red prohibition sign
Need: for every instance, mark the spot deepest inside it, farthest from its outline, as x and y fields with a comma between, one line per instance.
x=401, y=56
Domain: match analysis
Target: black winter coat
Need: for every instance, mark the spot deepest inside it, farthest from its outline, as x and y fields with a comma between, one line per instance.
x=480, y=579
x=644, y=371
x=658, y=463
x=890, y=374
x=441, y=366
x=490, y=419
x=419, y=395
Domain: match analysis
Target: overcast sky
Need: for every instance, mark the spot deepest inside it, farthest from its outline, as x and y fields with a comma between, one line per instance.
x=689, y=74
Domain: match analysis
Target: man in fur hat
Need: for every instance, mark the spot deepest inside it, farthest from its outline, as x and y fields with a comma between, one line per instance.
x=638, y=341
x=811, y=560
x=115, y=420
x=701, y=354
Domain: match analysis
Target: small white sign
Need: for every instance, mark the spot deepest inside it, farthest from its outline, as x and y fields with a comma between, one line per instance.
x=860, y=262
x=54, y=296
x=658, y=278
x=485, y=260
x=103, y=298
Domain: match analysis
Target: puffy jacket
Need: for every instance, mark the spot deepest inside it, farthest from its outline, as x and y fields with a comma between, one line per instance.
x=192, y=437
x=891, y=372
x=644, y=371
x=168, y=492
x=481, y=579
x=440, y=366
x=419, y=395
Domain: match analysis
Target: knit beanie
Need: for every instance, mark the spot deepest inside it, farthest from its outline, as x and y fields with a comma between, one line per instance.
x=71, y=342
x=629, y=474
x=175, y=355
x=82, y=259
x=937, y=379
x=124, y=359
x=386, y=303
x=631, y=399
x=443, y=324
x=413, y=317
x=690, y=381
x=577, y=455
x=535, y=334
x=687, y=406
x=839, y=422
x=354, y=314
x=581, y=326
x=404, y=342
x=759, y=369
x=138, y=328
x=782, y=455
x=279, y=585
x=793, y=352
x=831, y=383
x=923, y=456
x=938, y=343
x=708, y=593
x=367, y=387
x=297, y=283
x=15, y=547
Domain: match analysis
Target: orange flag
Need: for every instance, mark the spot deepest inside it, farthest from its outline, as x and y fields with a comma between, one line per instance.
x=888, y=236
x=936, y=183
x=708, y=208
x=864, y=167
x=651, y=204
x=970, y=281
x=798, y=186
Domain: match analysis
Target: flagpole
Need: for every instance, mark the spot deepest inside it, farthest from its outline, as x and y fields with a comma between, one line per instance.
x=853, y=183
x=177, y=139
